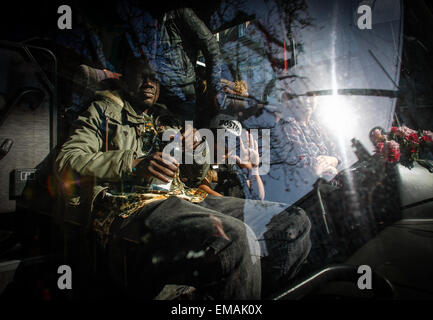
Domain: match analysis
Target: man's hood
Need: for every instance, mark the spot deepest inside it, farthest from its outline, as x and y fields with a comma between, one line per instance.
x=119, y=103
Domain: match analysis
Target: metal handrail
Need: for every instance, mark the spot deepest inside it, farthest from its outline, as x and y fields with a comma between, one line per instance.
x=382, y=287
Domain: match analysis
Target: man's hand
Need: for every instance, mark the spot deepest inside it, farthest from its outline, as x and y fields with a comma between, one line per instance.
x=326, y=164
x=158, y=165
x=250, y=157
x=239, y=88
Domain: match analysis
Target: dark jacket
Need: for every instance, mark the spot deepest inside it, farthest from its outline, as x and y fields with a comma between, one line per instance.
x=183, y=34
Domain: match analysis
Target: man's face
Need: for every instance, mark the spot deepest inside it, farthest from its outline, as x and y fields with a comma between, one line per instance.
x=305, y=107
x=308, y=104
x=143, y=86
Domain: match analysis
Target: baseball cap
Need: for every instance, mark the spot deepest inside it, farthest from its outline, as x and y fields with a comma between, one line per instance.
x=226, y=122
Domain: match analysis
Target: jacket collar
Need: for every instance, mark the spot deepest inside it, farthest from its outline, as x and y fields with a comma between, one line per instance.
x=119, y=104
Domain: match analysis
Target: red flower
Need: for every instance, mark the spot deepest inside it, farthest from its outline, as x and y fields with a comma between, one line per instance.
x=426, y=138
x=379, y=147
x=392, y=151
x=405, y=132
x=413, y=137
x=394, y=130
x=428, y=134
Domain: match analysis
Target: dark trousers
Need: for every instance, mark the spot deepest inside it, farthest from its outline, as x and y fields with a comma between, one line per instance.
x=206, y=245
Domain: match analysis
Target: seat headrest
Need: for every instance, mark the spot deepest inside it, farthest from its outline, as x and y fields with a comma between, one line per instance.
x=88, y=80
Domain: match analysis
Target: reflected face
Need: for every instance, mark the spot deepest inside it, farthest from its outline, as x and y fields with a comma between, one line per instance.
x=310, y=102
x=306, y=107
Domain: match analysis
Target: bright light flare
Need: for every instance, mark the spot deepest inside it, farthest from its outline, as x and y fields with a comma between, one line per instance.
x=335, y=112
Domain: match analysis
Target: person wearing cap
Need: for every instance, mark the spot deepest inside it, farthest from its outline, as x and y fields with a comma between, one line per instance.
x=238, y=180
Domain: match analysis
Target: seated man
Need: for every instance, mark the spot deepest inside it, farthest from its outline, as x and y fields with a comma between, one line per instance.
x=179, y=235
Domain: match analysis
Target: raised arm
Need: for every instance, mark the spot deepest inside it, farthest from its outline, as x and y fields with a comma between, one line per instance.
x=207, y=43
